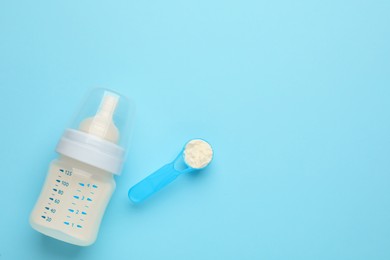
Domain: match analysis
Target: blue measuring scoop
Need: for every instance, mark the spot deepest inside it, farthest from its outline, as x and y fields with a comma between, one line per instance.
x=196, y=155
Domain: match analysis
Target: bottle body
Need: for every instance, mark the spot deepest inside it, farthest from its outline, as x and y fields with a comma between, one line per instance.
x=72, y=201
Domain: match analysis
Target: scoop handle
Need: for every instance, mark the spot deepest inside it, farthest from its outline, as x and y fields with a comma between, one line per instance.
x=153, y=183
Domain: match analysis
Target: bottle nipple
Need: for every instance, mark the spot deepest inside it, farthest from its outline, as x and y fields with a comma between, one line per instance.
x=102, y=125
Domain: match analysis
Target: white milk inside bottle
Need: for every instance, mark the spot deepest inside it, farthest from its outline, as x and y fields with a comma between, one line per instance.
x=80, y=182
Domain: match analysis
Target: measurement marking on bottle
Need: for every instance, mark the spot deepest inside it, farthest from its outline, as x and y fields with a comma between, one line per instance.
x=92, y=192
x=79, y=190
x=68, y=216
x=79, y=226
x=89, y=199
x=51, y=198
x=55, y=189
x=81, y=184
x=81, y=219
x=94, y=186
x=71, y=210
x=49, y=203
x=84, y=213
x=57, y=180
x=66, y=223
x=47, y=208
x=56, y=185
x=43, y=216
x=45, y=212
x=76, y=197
x=73, y=203
x=61, y=170
x=53, y=194
x=86, y=206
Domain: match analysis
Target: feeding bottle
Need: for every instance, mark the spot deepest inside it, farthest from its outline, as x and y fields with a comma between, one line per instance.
x=79, y=184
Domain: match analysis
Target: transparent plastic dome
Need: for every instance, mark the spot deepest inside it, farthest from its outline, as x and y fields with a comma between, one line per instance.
x=107, y=115
x=100, y=132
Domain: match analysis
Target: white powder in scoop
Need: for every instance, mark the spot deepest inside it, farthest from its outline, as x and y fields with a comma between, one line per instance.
x=198, y=153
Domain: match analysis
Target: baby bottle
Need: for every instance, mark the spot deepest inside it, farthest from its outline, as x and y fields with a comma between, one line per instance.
x=79, y=184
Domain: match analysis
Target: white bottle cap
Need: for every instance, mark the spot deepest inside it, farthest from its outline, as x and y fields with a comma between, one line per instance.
x=98, y=135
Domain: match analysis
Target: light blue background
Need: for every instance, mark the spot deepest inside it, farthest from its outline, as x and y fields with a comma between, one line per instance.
x=293, y=95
